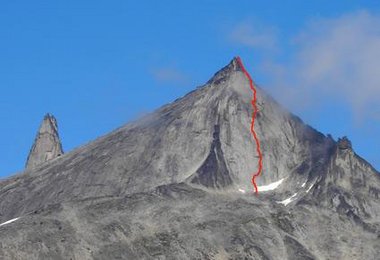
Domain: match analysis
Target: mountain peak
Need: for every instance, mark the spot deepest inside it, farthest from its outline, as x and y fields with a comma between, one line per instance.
x=197, y=154
x=47, y=144
x=234, y=65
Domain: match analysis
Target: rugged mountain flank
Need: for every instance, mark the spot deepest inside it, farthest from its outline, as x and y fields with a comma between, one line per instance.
x=176, y=184
x=351, y=185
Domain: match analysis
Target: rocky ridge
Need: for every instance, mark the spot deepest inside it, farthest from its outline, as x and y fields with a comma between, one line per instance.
x=176, y=185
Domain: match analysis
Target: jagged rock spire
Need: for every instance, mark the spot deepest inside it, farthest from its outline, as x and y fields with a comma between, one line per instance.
x=47, y=144
x=344, y=143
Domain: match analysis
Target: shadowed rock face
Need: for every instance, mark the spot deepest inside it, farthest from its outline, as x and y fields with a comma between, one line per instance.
x=177, y=185
x=213, y=172
x=47, y=144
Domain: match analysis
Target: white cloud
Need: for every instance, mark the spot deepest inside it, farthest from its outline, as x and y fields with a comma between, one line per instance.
x=169, y=75
x=336, y=58
x=251, y=34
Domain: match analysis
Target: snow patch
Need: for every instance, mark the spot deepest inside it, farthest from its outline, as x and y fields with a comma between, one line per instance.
x=288, y=200
x=270, y=186
x=8, y=222
x=311, y=186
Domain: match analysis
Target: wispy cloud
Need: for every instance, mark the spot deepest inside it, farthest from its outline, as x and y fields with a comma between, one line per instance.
x=336, y=58
x=254, y=35
x=169, y=75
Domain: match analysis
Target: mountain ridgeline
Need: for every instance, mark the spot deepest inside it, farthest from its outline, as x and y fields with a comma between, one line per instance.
x=176, y=184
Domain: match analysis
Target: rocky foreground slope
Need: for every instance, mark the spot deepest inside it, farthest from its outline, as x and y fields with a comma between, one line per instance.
x=176, y=185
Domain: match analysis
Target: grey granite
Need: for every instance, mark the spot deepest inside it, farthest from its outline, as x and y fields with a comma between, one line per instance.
x=176, y=184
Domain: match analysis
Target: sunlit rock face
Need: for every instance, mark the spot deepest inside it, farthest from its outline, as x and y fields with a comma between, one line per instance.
x=47, y=144
x=176, y=184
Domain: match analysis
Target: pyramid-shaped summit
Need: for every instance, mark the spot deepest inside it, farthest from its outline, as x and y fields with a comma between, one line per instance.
x=202, y=138
x=176, y=184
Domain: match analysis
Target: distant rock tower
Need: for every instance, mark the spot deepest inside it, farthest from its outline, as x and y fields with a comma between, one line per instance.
x=47, y=144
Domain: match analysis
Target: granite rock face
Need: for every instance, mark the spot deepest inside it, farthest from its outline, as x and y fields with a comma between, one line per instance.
x=177, y=185
x=47, y=144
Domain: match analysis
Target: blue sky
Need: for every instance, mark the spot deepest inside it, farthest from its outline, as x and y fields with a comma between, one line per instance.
x=96, y=65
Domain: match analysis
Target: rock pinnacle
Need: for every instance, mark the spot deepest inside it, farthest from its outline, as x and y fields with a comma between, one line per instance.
x=47, y=144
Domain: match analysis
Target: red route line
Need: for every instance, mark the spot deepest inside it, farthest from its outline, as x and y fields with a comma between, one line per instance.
x=254, y=114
